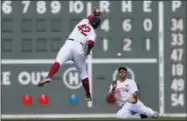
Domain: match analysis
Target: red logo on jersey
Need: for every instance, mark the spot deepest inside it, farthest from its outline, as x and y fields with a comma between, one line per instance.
x=120, y=92
x=84, y=29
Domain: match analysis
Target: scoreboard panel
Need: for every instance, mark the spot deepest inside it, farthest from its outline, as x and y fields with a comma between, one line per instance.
x=175, y=60
x=137, y=33
x=142, y=35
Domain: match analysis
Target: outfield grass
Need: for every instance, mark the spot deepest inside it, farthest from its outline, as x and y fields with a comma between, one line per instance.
x=95, y=119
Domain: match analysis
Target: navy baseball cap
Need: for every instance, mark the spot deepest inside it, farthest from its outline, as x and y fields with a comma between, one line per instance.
x=122, y=68
x=95, y=22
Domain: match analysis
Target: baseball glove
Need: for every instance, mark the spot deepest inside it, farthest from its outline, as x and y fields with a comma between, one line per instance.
x=96, y=12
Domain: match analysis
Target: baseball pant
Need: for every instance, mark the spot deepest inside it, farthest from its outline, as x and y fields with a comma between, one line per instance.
x=130, y=110
x=73, y=51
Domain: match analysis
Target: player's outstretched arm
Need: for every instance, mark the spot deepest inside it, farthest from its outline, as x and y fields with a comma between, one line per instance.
x=112, y=90
x=96, y=12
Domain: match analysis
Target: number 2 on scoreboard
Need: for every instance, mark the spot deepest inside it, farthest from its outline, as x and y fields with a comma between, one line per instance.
x=84, y=29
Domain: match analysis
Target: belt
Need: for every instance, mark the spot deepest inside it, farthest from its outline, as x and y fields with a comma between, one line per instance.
x=129, y=102
x=74, y=40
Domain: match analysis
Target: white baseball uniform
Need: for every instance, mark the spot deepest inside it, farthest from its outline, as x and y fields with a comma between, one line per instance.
x=123, y=91
x=73, y=49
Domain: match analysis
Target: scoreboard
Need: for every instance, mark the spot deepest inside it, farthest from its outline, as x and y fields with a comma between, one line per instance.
x=148, y=37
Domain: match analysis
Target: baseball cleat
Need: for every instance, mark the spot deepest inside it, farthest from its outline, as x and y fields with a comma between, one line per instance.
x=143, y=116
x=88, y=97
x=156, y=115
x=44, y=82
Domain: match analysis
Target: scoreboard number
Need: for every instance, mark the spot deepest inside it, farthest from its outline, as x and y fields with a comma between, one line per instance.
x=177, y=69
x=105, y=25
x=26, y=6
x=177, y=99
x=105, y=44
x=148, y=44
x=127, y=26
x=177, y=39
x=41, y=8
x=178, y=84
x=177, y=54
x=177, y=24
x=6, y=7
x=147, y=24
x=55, y=7
x=127, y=42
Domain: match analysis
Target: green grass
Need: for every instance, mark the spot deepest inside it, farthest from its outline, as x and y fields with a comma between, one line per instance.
x=96, y=119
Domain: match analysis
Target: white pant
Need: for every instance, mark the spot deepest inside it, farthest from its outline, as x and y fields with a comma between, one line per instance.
x=130, y=110
x=73, y=50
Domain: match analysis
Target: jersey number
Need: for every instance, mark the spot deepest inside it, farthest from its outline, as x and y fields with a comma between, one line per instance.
x=84, y=29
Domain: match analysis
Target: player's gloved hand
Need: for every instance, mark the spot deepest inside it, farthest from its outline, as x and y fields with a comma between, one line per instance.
x=96, y=12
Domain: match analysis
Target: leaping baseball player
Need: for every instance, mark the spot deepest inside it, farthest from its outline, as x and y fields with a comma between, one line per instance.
x=83, y=35
x=125, y=91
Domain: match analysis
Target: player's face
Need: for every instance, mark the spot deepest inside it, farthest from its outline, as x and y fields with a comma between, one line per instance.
x=122, y=73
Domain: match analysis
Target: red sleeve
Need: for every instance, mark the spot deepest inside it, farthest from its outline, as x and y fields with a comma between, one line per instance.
x=90, y=43
x=90, y=17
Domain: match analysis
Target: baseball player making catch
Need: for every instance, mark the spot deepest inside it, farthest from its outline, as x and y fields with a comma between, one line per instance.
x=82, y=36
x=125, y=91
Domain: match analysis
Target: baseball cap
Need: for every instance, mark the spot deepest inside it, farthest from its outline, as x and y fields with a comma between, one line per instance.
x=122, y=68
x=95, y=22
